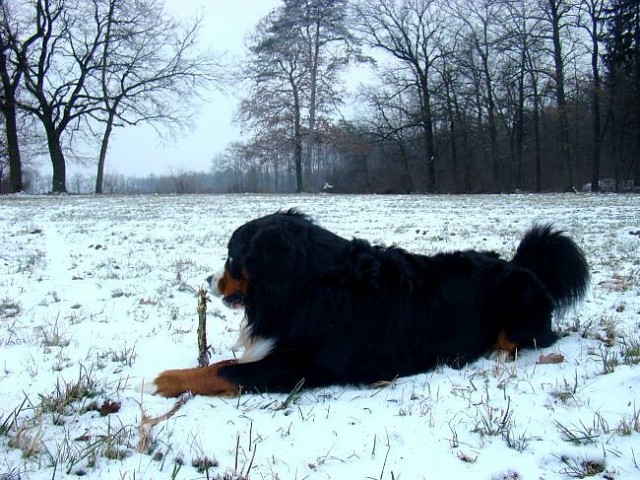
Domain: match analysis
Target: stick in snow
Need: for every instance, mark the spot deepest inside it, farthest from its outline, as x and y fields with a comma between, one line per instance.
x=147, y=423
x=203, y=349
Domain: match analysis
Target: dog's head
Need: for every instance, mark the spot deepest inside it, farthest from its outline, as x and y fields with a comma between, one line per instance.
x=266, y=255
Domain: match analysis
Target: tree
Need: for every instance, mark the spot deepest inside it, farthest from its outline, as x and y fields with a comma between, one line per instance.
x=56, y=68
x=622, y=60
x=522, y=40
x=296, y=55
x=593, y=25
x=319, y=27
x=392, y=113
x=480, y=20
x=147, y=69
x=412, y=32
x=10, y=81
x=279, y=80
x=556, y=13
x=11, y=50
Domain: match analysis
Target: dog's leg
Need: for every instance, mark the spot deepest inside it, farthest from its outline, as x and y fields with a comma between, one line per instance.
x=199, y=381
x=505, y=345
x=279, y=371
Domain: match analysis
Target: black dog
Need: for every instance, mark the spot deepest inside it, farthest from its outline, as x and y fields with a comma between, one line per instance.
x=324, y=310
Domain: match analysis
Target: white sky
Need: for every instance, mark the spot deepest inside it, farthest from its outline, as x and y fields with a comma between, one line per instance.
x=139, y=150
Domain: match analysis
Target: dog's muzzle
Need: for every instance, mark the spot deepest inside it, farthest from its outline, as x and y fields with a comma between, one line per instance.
x=219, y=284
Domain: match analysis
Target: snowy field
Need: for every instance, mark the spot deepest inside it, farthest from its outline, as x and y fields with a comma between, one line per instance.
x=99, y=293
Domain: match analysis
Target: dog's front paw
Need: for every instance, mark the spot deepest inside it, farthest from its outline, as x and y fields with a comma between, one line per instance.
x=199, y=381
x=169, y=383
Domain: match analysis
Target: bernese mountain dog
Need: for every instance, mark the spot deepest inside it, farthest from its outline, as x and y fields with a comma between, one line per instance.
x=323, y=310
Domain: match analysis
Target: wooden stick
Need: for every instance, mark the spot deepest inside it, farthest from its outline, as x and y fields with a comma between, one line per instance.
x=147, y=423
x=203, y=348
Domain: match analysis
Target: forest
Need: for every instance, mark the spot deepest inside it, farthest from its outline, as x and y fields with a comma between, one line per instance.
x=461, y=96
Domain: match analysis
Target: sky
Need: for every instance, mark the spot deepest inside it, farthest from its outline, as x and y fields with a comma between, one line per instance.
x=139, y=151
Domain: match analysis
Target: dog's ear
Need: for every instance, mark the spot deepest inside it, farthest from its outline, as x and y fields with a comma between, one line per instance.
x=275, y=254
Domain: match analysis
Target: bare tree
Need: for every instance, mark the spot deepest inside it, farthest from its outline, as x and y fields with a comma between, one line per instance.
x=10, y=76
x=392, y=114
x=148, y=69
x=11, y=50
x=483, y=51
x=56, y=69
x=558, y=15
x=593, y=24
x=412, y=33
x=523, y=41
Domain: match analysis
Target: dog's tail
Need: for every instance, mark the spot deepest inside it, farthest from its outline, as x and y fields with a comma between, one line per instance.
x=557, y=262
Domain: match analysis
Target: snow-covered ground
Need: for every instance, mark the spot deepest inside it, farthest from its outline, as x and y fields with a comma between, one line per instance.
x=98, y=293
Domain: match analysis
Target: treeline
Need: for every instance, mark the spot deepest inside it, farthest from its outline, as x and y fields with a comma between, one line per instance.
x=464, y=95
x=182, y=182
x=469, y=96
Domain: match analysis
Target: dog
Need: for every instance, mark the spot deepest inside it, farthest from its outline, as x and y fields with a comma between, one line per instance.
x=324, y=310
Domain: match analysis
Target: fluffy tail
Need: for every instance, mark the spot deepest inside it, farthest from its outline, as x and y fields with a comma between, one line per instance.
x=558, y=262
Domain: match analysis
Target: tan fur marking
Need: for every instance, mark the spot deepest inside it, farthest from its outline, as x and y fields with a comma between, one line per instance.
x=503, y=343
x=199, y=381
x=227, y=285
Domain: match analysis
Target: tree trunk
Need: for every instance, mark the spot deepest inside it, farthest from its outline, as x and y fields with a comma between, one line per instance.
x=453, y=134
x=104, y=146
x=427, y=127
x=11, y=126
x=519, y=127
x=13, y=148
x=595, y=109
x=297, y=142
x=315, y=54
x=493, y=140
x=58, y=163
x=566, y=160
x=536, y=133
x=493, y=129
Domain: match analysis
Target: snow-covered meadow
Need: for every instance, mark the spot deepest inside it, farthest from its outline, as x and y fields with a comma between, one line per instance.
x=99, y=293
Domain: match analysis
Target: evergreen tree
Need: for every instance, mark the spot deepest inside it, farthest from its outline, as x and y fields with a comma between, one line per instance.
x=622, y=59
x=297, y=55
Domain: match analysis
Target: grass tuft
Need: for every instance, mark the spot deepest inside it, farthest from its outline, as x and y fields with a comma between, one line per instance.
x=608, y=358
x=10, y=421
x=567, y=390
x=494, y=421
x=66, y=393
x=579, y=435
x=630, y=424
x=9, y=308
x=630, y=349
x=581, y=468
x=204, y=464
x=83, y=453
x=54, y=336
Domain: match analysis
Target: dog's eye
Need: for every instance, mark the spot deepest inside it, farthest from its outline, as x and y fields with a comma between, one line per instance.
x=230, y=260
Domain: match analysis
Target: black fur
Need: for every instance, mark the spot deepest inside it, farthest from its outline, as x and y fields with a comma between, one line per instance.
x=346, y=312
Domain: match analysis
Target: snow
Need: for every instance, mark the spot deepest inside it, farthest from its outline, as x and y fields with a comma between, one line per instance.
x=104, y=288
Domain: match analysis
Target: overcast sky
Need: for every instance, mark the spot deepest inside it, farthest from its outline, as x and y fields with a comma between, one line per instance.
x=139, y=150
